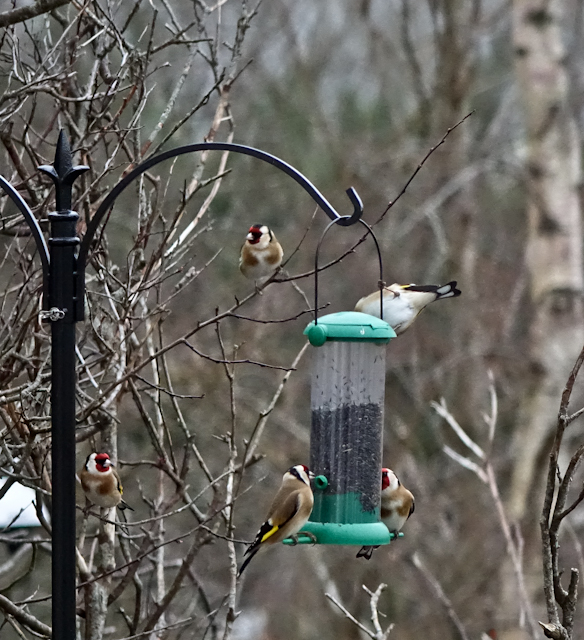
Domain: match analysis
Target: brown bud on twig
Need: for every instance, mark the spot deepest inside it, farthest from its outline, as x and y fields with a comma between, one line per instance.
x=553, y=631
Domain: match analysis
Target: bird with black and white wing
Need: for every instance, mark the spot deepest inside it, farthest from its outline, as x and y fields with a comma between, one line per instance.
x=402, y=303
x=289, y=512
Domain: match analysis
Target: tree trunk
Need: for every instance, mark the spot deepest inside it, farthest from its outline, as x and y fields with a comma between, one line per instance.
x=553, y=255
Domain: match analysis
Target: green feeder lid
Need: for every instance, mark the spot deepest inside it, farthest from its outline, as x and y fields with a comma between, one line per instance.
x=349, y=326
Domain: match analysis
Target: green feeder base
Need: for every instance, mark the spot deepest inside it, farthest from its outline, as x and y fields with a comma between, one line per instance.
x=363, y=534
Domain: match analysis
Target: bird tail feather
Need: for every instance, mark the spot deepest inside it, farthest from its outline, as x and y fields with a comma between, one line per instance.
x=366, y=552
x=447, y=290
x=252, y=553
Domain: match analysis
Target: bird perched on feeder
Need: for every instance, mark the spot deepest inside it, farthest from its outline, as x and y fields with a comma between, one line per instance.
x=101, y=482
x=289, y=512
x=397, y=505
x=403, y=302
x=261, y=254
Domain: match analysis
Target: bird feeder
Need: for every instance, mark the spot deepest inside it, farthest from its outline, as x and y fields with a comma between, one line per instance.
x=346, y=440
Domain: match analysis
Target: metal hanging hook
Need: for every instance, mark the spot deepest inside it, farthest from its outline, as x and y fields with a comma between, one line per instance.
x=380, y=284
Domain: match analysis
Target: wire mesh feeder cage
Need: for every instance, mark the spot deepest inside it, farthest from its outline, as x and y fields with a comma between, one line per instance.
x=346, y=440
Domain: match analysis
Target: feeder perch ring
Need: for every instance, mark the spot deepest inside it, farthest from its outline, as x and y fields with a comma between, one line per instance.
x=320, y=483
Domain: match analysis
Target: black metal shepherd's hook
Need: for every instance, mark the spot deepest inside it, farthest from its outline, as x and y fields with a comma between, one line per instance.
x=63, y=265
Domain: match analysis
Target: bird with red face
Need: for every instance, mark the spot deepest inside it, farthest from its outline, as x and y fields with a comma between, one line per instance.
x=101, y=482
x=397, y=505
x=261, y=254
x=289, y=512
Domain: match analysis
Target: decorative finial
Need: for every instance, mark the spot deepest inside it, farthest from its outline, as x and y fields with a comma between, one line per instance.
x=63, y=173
x=63, y=160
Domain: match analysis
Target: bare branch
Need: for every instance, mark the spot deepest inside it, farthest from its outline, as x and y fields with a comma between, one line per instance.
x=442, y=410
x=430, y=152
x=222, y=361
x=350, y=616
x=550, y=522
x=28, y=620
x=30, y=11
x=439, y=593
x=380, y=634
x=465, y=462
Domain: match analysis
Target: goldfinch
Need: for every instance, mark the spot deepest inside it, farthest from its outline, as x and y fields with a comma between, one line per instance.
x=403, y=302
x=289, y=512
x=101, y=482
x=397, y=505
x=261, y=254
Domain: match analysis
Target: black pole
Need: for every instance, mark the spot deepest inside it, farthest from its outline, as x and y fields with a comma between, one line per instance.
x=63, y=243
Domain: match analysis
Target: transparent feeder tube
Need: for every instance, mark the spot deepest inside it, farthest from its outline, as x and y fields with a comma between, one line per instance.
x=347, y=402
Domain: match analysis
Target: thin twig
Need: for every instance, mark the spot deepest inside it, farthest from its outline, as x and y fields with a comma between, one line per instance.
x=439, y=593
x=430, y=152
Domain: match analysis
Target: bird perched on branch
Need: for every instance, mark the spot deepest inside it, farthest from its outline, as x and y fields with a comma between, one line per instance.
x=289, y=512
x=403, y=302
x=101, y=482
x=261, y=254
x=397, y=505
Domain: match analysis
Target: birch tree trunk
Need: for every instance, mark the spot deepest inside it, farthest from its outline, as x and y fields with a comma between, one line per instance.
x=553, y=254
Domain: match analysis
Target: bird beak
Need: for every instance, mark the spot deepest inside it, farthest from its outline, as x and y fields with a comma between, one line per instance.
x=249, y=236
x=311, y=475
